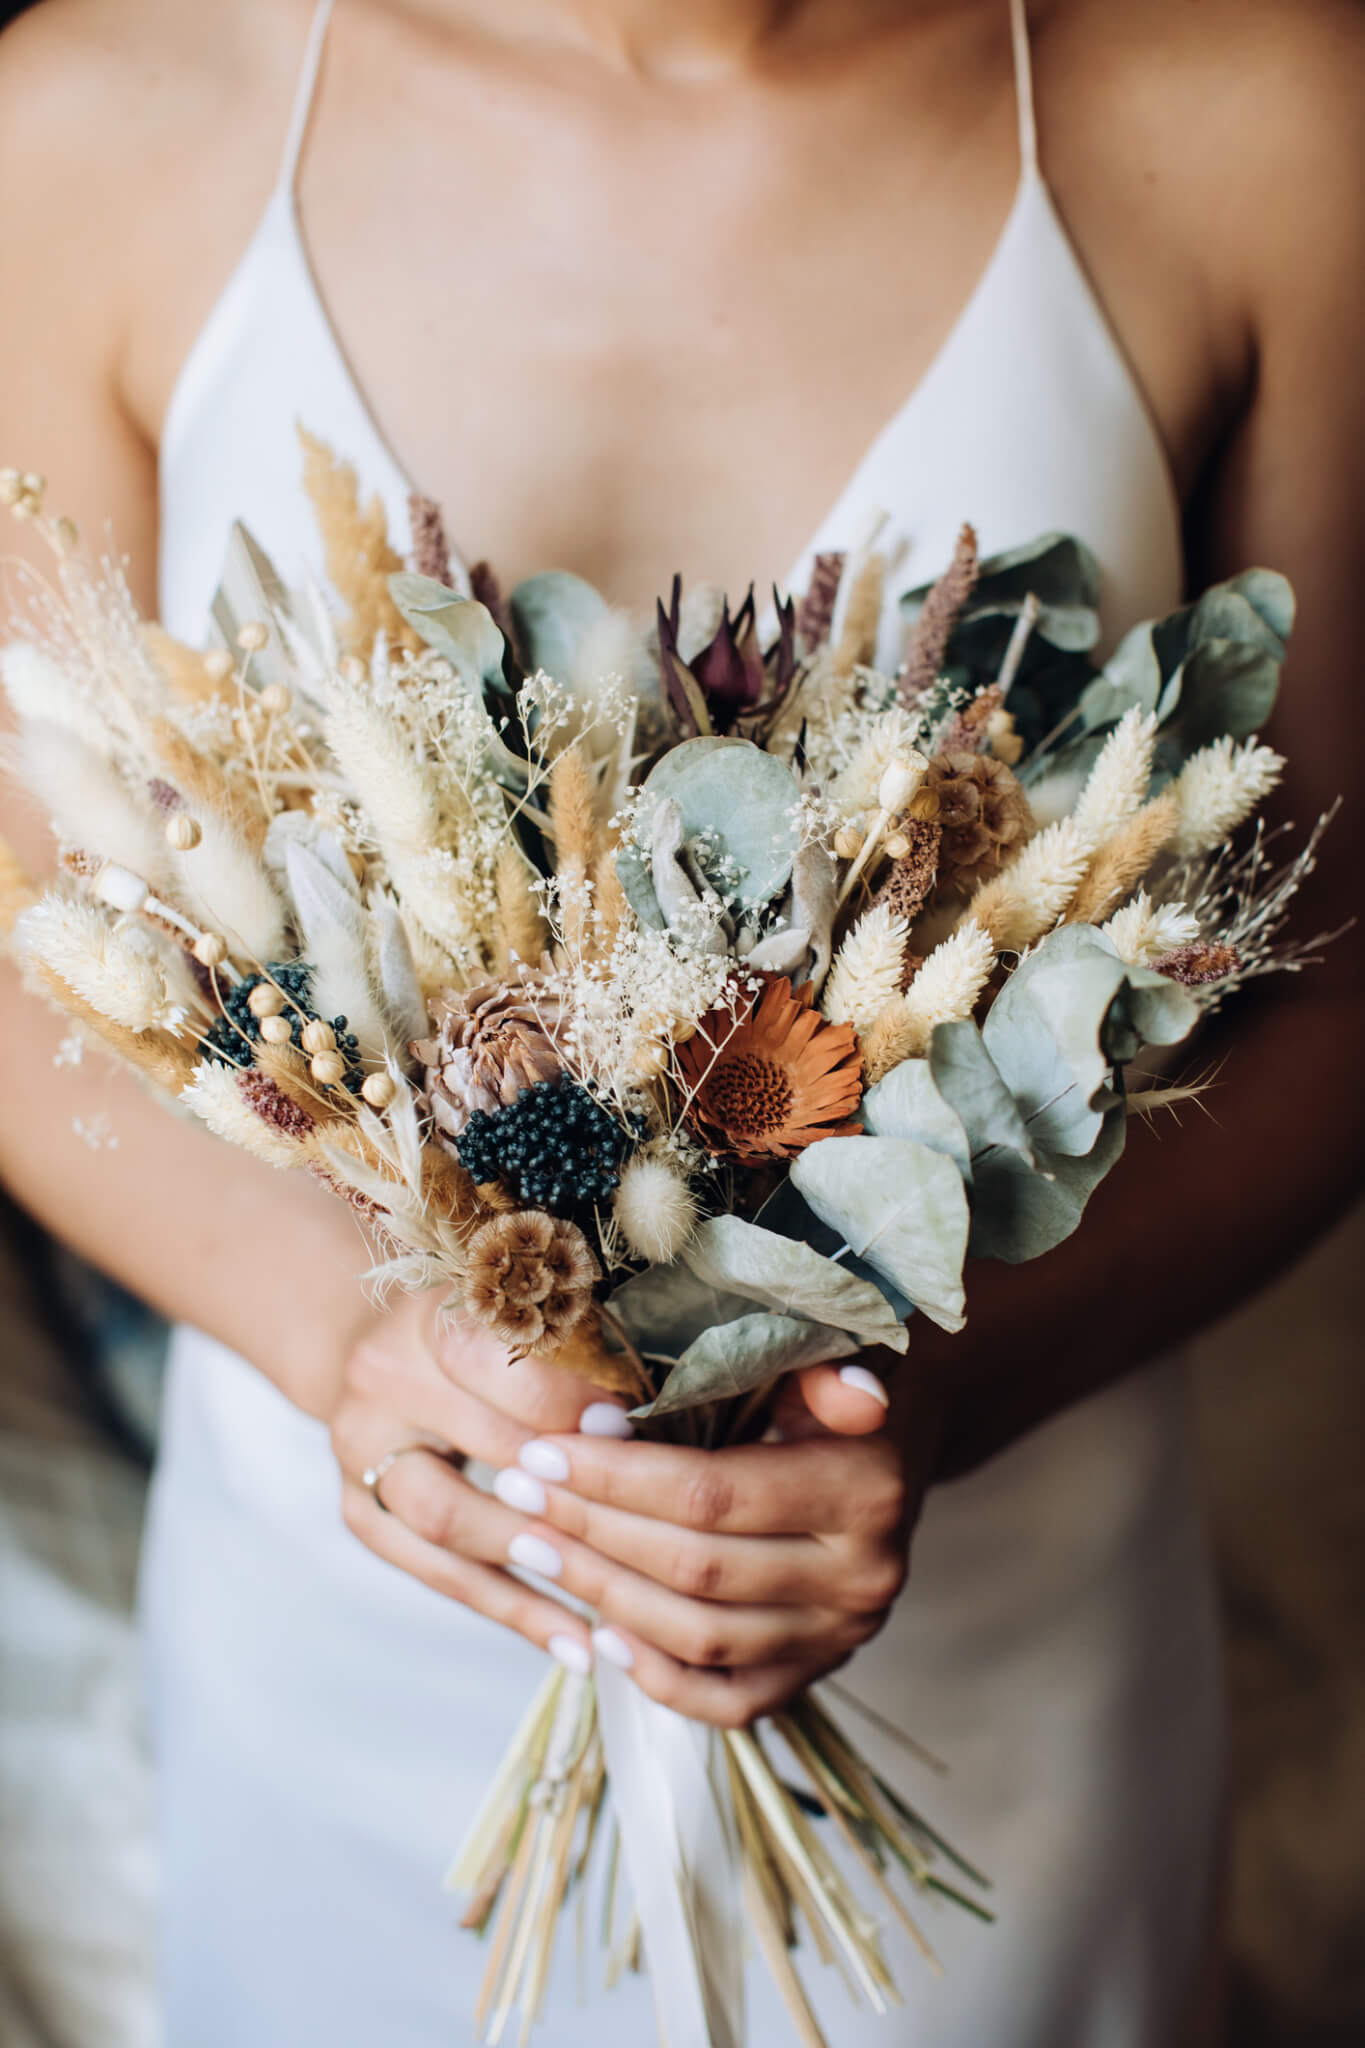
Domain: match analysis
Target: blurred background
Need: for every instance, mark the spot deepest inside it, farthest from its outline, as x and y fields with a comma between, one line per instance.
x=1279, y=1397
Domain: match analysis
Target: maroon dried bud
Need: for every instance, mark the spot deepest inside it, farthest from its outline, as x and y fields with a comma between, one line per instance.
x=1199, y=963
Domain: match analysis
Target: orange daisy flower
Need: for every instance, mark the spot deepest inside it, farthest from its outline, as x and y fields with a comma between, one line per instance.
x=782, y=1078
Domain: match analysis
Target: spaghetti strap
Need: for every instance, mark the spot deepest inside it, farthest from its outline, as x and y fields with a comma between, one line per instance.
x=1023, y=87
x=303, y=97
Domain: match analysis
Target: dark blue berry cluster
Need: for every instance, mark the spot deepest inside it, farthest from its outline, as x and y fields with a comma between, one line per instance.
x=556, y=1146
x=239, y=1027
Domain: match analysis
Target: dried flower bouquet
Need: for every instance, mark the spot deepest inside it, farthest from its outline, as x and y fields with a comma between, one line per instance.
x=687, y=1003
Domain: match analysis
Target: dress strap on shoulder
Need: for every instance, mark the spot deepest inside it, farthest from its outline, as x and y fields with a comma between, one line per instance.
x=1023, y=87
x=303, y=96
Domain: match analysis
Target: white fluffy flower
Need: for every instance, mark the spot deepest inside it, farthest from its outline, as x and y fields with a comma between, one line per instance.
x=1144, y=931
x=867, y=971
x=215, y=1096
x=1218, y=788
x=655, y=1209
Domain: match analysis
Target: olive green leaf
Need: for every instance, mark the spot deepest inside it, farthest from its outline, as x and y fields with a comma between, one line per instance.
x=743, y=1258
x=739, y=1357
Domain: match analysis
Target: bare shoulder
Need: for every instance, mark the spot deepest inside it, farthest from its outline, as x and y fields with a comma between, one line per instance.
x=133, y=135
x=1243, y=121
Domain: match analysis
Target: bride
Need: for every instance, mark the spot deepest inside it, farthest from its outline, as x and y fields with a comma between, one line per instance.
x=631, y=286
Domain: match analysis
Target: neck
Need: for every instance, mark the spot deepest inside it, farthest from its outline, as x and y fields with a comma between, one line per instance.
x=681, y=39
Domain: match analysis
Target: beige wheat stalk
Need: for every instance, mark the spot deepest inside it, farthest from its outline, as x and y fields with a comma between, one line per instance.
x=158, y=1057
x=359, y=557
x=1025, y=900
x=575, y=835
x=945, y=990
x=1124, y=859
x=521, y=933
x=862, y=618
x=190, y=677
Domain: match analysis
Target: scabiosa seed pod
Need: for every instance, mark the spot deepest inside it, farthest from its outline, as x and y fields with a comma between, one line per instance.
x=529, y=1279
x=982, y=810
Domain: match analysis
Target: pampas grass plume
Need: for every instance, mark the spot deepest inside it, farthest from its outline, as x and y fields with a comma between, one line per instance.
x=87, y=800
x=655, y=1209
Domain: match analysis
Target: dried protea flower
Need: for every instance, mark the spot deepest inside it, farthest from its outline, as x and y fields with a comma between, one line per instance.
x=908, y=881
x=1199, y=963
x=982, y=810
x=782, y=1077
x=529, y=1279
x=488, y=1044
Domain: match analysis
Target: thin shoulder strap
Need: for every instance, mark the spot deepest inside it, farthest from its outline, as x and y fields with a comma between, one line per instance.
x=1023, y=87
x=303, y=96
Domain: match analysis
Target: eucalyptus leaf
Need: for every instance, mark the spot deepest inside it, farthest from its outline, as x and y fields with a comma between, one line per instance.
x=551, y=615
x=967, y=1077
x=907, y=1103
x=1066, y=1016
x=739, y=1357
x=1227, y=686
x=740, y=802
x=666, y=1308
x=901, y=1207
x=1020, y=1212
x=458, y=627
x=1271, y=597
x=743, y=1258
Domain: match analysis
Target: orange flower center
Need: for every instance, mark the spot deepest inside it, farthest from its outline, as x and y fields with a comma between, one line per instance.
x=749, y=1094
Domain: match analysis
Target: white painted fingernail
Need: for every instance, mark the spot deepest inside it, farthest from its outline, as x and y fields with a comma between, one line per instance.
x=773, y=1434
x=534, y=1554
x=547, y=1461
x=614, y=1648
x=866, y=1382
x=517, y=1489
x=573, y=1655
x=604, y=1418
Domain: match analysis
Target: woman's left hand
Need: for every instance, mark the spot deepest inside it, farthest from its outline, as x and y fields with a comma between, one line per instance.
x=726, y=1581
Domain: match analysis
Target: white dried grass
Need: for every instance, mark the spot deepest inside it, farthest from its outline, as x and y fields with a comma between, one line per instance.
x=866, y=975
x=1219, y=788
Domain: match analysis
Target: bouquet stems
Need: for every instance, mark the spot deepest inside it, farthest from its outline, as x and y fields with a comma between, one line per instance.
x=531, y=1849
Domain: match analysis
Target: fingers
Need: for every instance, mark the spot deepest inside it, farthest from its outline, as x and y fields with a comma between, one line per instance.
x=727, y=1699
x=823, y=1486
x=781, y=1570
x=848, y=1400
x=544, y=1399
x=707, y=1633
x=494, y=1594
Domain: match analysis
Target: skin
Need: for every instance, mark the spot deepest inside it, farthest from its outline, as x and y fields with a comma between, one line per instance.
x=648, y=211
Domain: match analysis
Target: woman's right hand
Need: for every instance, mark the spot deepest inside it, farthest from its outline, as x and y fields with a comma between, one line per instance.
x=413, y=1378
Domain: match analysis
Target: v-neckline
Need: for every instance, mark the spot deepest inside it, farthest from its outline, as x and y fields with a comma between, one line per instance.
x=842, y=511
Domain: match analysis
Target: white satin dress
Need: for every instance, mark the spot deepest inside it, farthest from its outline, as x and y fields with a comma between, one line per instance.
x=326, y=1725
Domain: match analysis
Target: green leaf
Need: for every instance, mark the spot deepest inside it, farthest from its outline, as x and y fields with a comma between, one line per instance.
x=901, y=1207
x=1064, y=1018
x=738, y=1357
x=666, y=1308
x=1226, y=686
x=1271, y=597
x=906, y=1103
x=739, y=803
x=457, y=627
x=551, y=614
x=967, y=1077
x=1020, y=1212
x=743, y=1258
